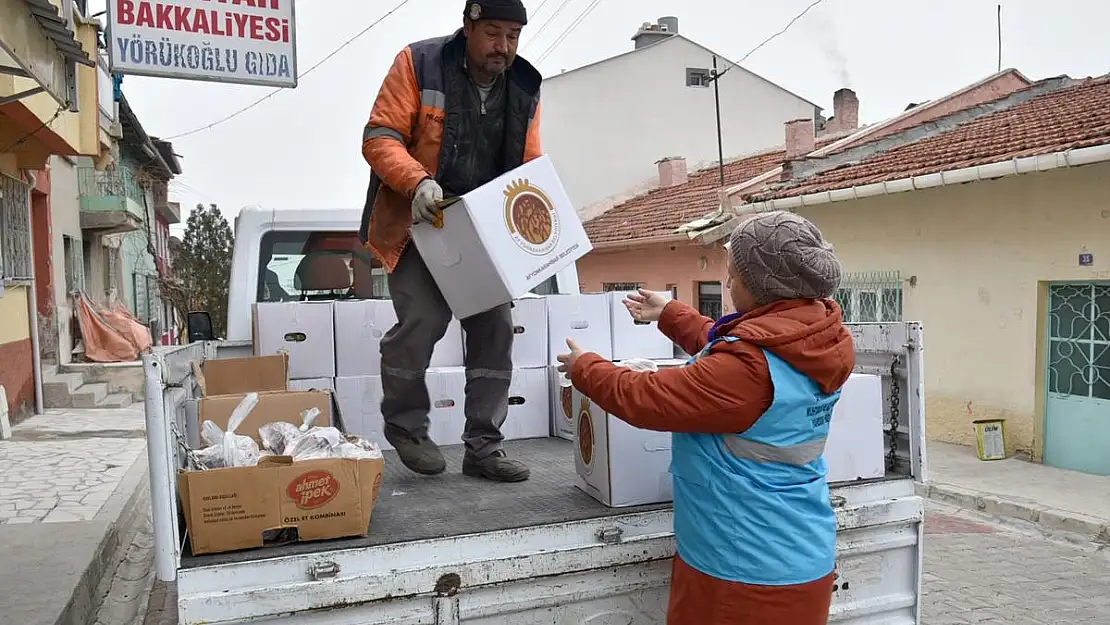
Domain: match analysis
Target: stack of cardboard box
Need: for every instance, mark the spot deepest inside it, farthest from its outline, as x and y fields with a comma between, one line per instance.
x=494, y=245
x=236, y=508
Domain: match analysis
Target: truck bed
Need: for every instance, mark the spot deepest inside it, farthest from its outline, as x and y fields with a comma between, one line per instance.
x=415, y=507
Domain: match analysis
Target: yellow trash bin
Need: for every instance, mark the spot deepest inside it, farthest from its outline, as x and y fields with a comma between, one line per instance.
x=990, y=438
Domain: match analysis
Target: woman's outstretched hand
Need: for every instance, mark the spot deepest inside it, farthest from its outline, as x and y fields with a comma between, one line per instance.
x=566, y=361
x=646, y=306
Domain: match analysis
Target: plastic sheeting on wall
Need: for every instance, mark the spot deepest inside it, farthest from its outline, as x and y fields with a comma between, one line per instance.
x=111, y=335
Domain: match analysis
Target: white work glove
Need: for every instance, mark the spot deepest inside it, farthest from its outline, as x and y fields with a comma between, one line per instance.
x=428, y=194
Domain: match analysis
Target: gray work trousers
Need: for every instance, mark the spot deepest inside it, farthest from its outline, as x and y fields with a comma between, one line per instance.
x=422, y=319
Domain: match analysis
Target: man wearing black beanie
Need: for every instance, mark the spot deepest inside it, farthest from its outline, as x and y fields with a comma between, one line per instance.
x=452, y=114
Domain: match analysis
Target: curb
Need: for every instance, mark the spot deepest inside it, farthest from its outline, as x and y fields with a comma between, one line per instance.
x=119, y=515
x=1053, y=519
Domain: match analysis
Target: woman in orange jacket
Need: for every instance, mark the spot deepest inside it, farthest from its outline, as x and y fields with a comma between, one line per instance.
x=750, y=413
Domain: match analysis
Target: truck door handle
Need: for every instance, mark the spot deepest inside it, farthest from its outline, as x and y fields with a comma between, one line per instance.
x=610, y=535
x=323, y=570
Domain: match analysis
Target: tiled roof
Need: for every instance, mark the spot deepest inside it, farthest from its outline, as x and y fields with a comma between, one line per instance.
x=660, y=211
x=1077, y=116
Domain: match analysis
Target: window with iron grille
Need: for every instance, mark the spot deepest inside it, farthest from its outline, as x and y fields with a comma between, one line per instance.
x=16, y=261
x=870, y=296
x=710, y=302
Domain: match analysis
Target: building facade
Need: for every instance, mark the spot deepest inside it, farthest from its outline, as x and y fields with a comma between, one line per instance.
x=605, y=123
x=48, y=90
x=993, y=220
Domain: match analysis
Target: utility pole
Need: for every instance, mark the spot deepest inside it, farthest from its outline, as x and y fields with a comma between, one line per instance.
x=714, y=76
x=999, y=37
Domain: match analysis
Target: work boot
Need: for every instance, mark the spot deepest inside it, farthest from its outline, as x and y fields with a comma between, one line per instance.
x=496, y=466
x=418, y=453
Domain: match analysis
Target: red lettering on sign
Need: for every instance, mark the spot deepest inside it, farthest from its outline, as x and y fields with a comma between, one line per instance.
x=200, y=23
x=125, y=12
x=219, y=22
x=145, y=15
x=165, y=17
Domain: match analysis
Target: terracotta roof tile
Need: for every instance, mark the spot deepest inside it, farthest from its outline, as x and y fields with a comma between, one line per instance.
x=1073, y=117
x=660, y=211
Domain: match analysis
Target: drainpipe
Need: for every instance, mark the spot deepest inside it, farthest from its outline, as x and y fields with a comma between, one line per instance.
x=33, y=302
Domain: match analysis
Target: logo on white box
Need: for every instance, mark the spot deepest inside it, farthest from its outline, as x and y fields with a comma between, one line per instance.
x=585, y=436
x=531, y=218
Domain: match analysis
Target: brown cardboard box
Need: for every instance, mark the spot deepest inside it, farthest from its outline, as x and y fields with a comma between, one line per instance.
x=232, y=509
x=272, y=406
x=233, y=376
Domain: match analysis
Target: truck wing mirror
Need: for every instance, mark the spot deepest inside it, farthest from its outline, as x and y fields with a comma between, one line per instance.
x=200, y=327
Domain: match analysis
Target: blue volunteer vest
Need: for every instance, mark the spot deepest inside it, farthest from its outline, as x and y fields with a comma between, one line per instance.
x=754, y=507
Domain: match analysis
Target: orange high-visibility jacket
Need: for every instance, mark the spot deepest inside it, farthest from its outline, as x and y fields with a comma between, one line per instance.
x=404, y=139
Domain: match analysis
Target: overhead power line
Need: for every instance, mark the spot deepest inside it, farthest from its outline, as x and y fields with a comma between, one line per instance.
x=551, y=18
x=43, y=126
x=781, y=32
x=570, y=29
x=304, y=74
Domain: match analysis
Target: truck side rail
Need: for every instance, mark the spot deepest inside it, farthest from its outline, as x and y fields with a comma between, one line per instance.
x=170, y=394
x=892, y=350
x=895, y=351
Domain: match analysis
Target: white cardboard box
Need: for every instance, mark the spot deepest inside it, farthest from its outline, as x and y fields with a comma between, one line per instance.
x=529, y=332
x=304, y=329
x=312, y=384
x=359, y=328
x=585, y=318
x=503, y=239
x=360, y=406
x=529, y=408
x=854, y=448
x=618, y=464
x=562, y=406
x=530, y=340
x=447, y=391
x=636, y=340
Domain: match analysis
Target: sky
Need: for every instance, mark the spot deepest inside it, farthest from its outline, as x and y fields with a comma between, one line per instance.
x=301, y=147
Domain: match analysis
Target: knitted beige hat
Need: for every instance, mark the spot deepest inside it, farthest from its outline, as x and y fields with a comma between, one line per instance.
x=781, y=255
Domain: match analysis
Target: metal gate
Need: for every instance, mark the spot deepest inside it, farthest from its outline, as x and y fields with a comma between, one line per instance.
x=15, y=230
x=1077, y=406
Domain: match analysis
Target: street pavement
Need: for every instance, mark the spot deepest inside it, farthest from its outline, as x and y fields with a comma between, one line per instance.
x=979, y=571
x=63, y=466
x=71, y=482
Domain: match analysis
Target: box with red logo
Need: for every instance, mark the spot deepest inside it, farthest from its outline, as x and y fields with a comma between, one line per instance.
x=503, y=239
x=279, y=501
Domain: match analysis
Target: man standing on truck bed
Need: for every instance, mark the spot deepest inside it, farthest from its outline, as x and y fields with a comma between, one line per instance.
x=452, y=114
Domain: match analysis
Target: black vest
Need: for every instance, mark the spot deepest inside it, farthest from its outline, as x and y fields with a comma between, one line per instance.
x=475, y=148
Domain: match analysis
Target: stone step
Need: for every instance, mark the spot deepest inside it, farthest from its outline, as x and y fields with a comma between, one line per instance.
x=115, y=400
x=72, y=381
x=89, y=395
x=49, y=370
x=58, y=389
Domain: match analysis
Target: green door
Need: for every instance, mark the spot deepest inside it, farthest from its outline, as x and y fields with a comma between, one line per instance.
x=1077, y=408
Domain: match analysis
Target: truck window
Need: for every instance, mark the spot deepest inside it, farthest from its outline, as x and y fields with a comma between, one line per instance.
x=304, y=265
x=547, y=287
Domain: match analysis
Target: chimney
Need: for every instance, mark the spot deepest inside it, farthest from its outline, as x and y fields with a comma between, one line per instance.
x=672, y=171
x=651, y=33
x=799, y=138
x=845, y=110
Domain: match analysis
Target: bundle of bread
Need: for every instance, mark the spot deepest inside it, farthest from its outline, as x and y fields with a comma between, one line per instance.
x=304, y=442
